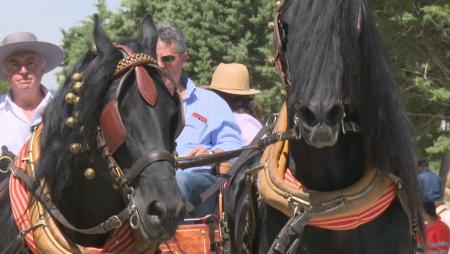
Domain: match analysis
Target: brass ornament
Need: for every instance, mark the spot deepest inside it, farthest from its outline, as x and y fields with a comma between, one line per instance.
x=71, y=121
x=82, y=130
x=284, y=92
x=78, y=86
x=71, y=98
x=271, y=61
x=77, y=76
x=75, y=148
x=278, y=4
x=132, y=61
x=89, y=173
x=271, y=26
x=94, y=49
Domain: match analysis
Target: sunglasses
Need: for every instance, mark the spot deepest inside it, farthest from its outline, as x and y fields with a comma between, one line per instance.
x=167, y=59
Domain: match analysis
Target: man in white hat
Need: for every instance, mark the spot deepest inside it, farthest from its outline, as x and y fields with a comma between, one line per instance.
x=23, y=62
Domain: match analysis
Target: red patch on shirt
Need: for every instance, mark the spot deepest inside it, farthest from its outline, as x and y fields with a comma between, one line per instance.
x=199, y=117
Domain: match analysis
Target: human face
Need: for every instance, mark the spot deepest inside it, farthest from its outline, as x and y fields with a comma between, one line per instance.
x=24, y=70
x=171, y=60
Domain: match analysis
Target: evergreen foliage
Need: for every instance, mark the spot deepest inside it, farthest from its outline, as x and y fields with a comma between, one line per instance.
x=416, y=34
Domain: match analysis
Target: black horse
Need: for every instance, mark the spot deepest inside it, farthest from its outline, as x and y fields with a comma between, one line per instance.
x=89, y=179
x=344, y=109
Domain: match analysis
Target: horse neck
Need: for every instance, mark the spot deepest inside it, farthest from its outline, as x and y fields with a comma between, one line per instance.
x=86, y=203
x=328, y=169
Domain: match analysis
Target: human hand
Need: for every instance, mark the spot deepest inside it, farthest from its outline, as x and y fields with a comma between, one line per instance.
x=196, y=151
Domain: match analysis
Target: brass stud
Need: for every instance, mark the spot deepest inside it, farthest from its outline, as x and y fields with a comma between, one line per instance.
x=70, y=98
x=75, y=148
x=82, y=130
x=77, y=77
x=77, y=87
x=94, y=49
x=89, y=173
x=271, y=61
x=70, y=122
x=284, y=92
x=271, y=26
x=279, y=3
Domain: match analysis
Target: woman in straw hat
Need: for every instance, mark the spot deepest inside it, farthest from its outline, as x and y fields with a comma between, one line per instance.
x=23, y=62
x=231, y=82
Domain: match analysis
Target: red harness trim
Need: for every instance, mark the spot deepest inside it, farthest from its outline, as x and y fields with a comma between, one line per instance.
x=354, y=220
x=119, y=241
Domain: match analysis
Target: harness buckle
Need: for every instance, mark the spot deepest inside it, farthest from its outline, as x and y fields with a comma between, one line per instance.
x=115, y=222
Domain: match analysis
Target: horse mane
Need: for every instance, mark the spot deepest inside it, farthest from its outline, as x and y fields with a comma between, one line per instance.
x=322, y=49
x=57, y=164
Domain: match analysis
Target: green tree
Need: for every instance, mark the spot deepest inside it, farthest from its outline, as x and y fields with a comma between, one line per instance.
x=215, y=31
x=416, y=35
x=3, y=87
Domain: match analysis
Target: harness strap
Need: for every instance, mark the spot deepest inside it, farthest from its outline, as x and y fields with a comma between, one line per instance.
x=110, y=224
x=146, y=161
x=288, y=239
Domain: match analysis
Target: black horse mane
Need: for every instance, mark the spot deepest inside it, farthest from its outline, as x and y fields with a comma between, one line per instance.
x=58, y=164
x=337, y=42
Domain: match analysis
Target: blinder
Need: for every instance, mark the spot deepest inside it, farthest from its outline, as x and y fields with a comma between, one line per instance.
x=113, y=129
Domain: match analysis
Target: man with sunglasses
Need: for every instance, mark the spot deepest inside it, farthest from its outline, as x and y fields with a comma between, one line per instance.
x=210, y=126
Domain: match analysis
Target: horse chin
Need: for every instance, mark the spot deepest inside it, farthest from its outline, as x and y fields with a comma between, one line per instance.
x=321, y=136
x=153, y=231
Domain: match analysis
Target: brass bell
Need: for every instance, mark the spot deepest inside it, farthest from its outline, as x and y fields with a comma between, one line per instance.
x=70, y=122
x=271, y=61
x=77, y=87
x=71, y=98
x=271, y=26
x=89, y=173
x=75, y=148
x=77, y=77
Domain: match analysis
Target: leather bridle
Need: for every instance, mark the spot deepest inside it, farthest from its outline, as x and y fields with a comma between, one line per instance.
x=111, y=135
x=281, y=63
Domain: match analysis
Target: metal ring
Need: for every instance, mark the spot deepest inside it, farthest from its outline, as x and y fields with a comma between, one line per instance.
x=134, y=220
x=5, y=158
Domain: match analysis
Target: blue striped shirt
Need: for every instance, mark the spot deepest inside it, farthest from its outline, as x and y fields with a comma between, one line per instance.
x=208, y=122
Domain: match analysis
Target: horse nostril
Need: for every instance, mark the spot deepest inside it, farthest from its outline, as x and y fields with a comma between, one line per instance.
x=307, y=116
x=156, y=208
x=335, y=114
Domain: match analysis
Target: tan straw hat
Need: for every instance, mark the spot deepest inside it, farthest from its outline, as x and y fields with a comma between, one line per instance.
x=25, y=41
x=232, y=79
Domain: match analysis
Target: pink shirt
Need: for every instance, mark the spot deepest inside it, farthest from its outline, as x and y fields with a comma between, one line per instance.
x=249, y=126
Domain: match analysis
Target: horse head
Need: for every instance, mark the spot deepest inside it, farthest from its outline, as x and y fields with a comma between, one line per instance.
x=108, y=139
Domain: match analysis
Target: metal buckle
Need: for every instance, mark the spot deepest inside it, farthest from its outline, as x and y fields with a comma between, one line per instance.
x=115, y=222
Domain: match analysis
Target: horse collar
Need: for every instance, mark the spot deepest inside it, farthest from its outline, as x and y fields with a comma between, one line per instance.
x=343, y=209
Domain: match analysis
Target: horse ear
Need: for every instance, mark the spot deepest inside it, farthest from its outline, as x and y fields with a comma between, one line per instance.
x=148, y=34
x=101, y=40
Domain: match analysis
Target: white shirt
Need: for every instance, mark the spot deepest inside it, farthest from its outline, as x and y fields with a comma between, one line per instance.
x=15, y=128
